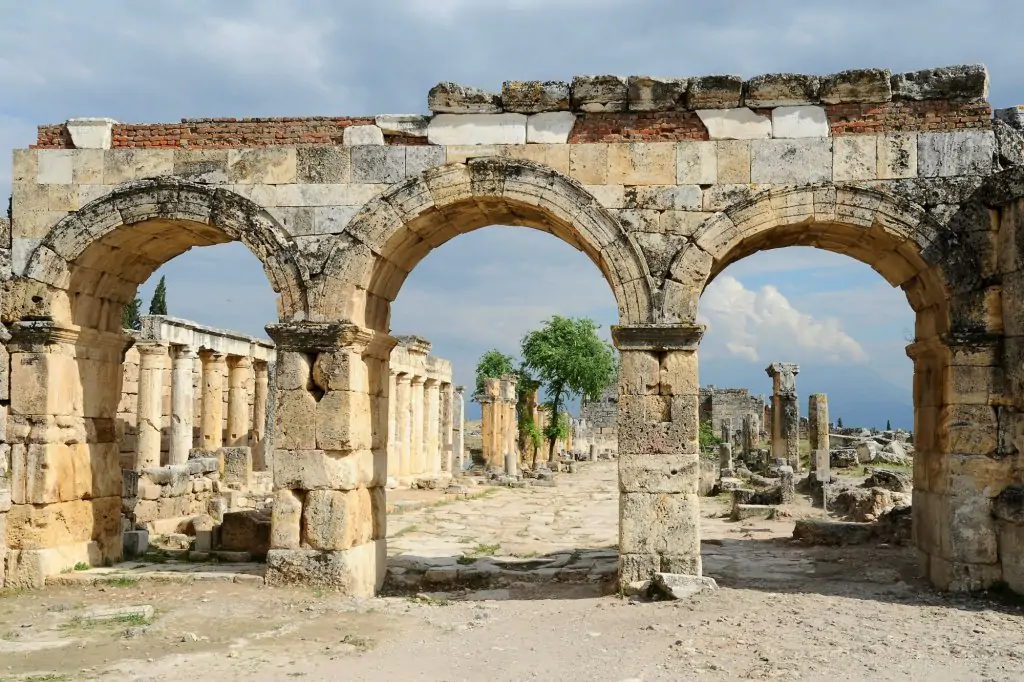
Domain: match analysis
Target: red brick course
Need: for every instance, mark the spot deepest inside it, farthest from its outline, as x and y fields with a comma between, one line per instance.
x=668, y=126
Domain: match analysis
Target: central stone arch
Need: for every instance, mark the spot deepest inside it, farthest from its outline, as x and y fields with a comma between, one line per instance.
x=397, y=229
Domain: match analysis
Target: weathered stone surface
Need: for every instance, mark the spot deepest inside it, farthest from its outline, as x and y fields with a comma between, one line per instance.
x=1009, y=144
x=90, y=133
x=550, y=128
x=1011, y=116
x=967, y=152
x=781, y=90
x=791, y=162
x=477, y=129
x=860, y=504
x=856, y=85
x=599, y=93
x=964, y=82
x=854, y=158
x=714, y=92
x=237, y=466
x=451, y=98
x=363, y=135
x=531, y=97
x=651, y=93
x=410, y=125
x=356, y=572
x=799, y=121
x=680, y=586
x=246, y=531
x=1009, y=504
x=735, y=124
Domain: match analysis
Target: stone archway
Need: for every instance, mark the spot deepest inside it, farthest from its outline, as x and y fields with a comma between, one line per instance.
x=955, y=352
x=67, y=345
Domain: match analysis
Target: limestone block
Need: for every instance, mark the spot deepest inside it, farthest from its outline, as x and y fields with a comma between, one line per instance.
x=321, y=164
x=25, y=165
x=663, y=197
x=50, y=384
x=659, y=473
x=237, y=466
x=151, y=163
x=856, y=85
x=87, y=168
x=650, y=93
x=462, y=153
x=609, y=196
x=356, y=572
x=409, y=125
x=293, y=370
x=316, y=469
x=714, y=92
x=555, y=156
x=947, y=154
x=1011, y=554
x=972, y=429
x=799, y=121
x=136, y=543
x=963, y=82
x=51, y=525
x=267, y=165
x=246, y=531
x=331, y=518
x=854, y=158
x=696, y=163
x=54, y=167
x=733, y=161
x=330, y=219
x=657, y=424
x=641, y=163
x=735, y=124
x=897, y=156
x=367, y=135
x=378, y=164
x=588, y=163
x=682, y=223
x=202, y=165
x=422, y=158
x=90, y=133
x=791, y=162
x=550, y=128
x=1012, y=116
x=781, y=90
x=295, y=420
x=344, y=421
x=682, y=585
x=678, y=374
x=286, y=520
x=599, y=93
x=659, y=523
x=451, y=98
x=477, y=129
x=531, y=97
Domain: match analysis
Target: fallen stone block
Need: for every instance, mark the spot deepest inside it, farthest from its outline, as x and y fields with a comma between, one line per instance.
x=680, y=586
x=752, y=511
x=246, y=531
x=896, y=481
x=136, y=543
x=832, y=533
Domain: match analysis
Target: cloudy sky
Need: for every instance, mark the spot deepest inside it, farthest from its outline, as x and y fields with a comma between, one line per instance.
x=148, y=62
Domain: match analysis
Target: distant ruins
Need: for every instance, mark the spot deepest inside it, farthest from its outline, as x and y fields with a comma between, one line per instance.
x=732, y=412
x=662, y=182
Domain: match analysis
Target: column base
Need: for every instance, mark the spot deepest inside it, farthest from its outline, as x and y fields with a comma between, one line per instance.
x=355, y=572
x=636, y=568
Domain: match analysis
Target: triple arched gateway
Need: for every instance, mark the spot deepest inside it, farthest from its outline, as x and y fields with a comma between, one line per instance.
x=661, y=182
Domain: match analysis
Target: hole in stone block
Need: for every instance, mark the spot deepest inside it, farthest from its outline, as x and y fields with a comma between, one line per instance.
x=315, y=389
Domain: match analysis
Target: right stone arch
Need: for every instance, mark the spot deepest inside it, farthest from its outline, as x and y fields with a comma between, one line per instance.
x=964, y=460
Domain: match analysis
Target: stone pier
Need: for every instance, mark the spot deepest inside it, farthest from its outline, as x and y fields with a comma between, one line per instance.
x=817, y=426
x=459, y=428
x=498, y=421
x=785, y=413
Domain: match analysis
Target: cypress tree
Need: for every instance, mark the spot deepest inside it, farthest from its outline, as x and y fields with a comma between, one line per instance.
x=158, y=306
x=130, y=315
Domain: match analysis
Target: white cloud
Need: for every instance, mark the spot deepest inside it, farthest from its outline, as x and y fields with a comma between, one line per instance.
x=759, y=324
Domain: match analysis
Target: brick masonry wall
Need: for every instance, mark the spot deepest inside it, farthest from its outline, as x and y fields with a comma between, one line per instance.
x=668, y=126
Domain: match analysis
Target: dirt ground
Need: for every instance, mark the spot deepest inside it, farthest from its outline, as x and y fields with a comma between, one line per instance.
x=783, y=612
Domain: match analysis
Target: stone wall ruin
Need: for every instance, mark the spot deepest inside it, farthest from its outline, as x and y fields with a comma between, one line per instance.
x=662, y=183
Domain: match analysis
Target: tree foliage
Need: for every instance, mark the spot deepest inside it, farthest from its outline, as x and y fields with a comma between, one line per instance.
x=569, y=360
x=707, y=436
x=130, y=315
x=492, y=365
x=158, y=304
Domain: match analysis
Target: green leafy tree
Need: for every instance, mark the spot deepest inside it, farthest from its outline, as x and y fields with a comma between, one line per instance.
x=158, y=304
x=569, y=359
x=492, y=365
x=130, y=315
x=707, y=437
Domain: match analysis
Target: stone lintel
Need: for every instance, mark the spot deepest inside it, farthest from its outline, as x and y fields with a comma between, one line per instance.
x=658, y=337
x=954, y=341
x=319, y=336
x=417, y=345
x=27, y=333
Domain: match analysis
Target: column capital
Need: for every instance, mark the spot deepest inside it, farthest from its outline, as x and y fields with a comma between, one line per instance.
x=261, y=367
x=184, y=352
x=209, y=355
x=418, y=380
x=148, y=347
x=431, y=382
x=403, y=378
x=658, y=337
x=239, y=361
x=459, y=390
x=41, y=332
x=780, y=368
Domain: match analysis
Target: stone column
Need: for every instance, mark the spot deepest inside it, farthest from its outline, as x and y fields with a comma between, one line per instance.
x=211, y=420
x=419, y=447
x=725, y=460
x=182, y=400
x=446, y=428
x=403, y=409
x=328, y=525
x=394, y=440
x=748, y=437
x=658, y=433
x=490, y=423
x=817, y=425
x=459, y=427
x=785, y=413
x=151, y=394
x=259, y=415
x=238, y=401
x=432, y=426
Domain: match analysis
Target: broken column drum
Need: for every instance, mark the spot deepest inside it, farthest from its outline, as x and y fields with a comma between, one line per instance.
x=785, y=434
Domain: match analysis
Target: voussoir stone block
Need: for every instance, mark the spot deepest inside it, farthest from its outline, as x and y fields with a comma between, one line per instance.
x=531, y=97
x=452, y=98
x=857, y=85
x=651, y=93
x=963, y=82
x=714, y=92
x=735, y=124
x=781, y=90
x=599, y=93
x=477, y=129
